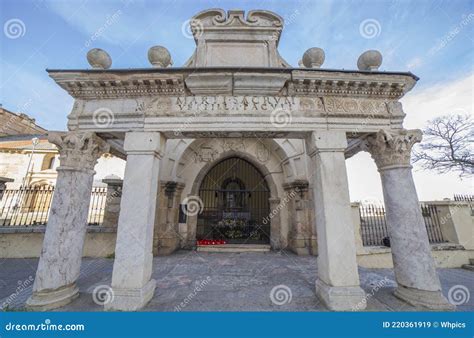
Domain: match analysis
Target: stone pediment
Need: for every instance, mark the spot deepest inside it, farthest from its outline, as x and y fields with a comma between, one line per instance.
x=223, y=38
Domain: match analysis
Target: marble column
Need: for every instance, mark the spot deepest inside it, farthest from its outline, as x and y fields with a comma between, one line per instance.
x=112, y=200
x=60, y=259
x=338, y=279
x=131, y=279
x=415, y=270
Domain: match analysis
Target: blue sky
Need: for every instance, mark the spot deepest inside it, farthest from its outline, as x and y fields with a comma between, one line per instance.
x=57, y=34
x=431, y=38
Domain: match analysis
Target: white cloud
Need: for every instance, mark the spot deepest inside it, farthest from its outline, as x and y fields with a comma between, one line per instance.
x=420, y=106
x=414, y=63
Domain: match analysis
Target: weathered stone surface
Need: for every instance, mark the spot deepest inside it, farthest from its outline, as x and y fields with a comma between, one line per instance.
x=112, y=200
x=338, y=278
x=418, y=283
x=60, y=259
x=131, y=280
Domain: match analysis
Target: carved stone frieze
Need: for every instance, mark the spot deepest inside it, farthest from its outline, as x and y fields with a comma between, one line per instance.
x=233, y=144
x=205, y=154
x=263, y=154
x=78, y=150
x=392, y=149
x=201, y=106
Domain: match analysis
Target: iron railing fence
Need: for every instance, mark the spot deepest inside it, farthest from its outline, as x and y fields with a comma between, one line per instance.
x=374, y=229
x=466, y=198
x=30, y=206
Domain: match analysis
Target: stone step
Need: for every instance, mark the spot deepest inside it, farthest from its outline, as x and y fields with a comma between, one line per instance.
x=471, y=261
x=234, y=248
x=468, y=267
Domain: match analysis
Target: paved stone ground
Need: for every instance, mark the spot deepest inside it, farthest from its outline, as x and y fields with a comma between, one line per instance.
x=228, y=282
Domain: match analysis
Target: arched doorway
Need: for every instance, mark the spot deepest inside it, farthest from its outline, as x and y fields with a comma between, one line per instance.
x=235, y=200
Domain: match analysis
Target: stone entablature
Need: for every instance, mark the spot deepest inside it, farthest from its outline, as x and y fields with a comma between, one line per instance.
x=171, y=106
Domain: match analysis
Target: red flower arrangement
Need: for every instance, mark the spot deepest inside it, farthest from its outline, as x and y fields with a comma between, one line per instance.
x=211, y=242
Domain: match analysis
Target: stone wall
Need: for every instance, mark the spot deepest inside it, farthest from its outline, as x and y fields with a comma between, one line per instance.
x=27, y=243
x=456, y=226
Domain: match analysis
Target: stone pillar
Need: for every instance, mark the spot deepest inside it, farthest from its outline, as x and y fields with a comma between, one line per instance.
x=298, y=204
x=166, y=238
x=60, y=260
x=3, y=185
x=338, y=279
x=275, y=223
x=131, y=278
x=112, y=201
x=418, y=283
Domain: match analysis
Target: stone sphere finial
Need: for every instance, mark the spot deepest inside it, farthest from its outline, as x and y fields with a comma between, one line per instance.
x=313, y=58
x=159, y=57
x=99, y=59
x=369, y=60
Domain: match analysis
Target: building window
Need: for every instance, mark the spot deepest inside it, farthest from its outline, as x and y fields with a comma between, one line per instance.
x=48, y=161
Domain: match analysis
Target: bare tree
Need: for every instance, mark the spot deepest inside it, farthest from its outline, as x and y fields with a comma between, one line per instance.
x=447, y=145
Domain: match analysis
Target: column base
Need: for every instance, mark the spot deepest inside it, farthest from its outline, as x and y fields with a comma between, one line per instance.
x=433, y=300
x=341, y=298
x=128, y=299
x=52, y=299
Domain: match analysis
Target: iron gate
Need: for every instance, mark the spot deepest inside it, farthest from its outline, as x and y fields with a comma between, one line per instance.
x=235, y=200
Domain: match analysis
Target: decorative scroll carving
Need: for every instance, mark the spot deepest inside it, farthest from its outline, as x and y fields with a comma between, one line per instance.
x=392, y=149
x=78, y=150
x=236, y=18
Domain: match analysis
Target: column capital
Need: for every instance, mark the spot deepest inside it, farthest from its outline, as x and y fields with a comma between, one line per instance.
x=326, y=141
x=392, y=149
x=78, y=150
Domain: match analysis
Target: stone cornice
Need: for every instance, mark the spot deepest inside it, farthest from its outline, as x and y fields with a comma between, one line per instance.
x=86, y=84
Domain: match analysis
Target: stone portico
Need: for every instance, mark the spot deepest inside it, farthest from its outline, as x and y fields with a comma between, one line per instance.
x=236, y=99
